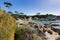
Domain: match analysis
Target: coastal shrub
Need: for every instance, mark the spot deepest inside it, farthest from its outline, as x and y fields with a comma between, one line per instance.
x=24, y=33
x=27, y=33
x=20, y=34
x=7, y=26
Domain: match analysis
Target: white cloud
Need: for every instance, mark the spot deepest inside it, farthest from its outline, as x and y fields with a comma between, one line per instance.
x=54, y=1
x=55, y=13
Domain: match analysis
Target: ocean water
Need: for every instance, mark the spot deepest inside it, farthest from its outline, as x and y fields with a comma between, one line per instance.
x=45, y=22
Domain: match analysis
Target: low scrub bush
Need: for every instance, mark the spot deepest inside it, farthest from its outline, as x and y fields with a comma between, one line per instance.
x=7, y=26
x=28, y=33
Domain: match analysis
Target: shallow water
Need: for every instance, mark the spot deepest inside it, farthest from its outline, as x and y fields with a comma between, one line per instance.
x=45, y=22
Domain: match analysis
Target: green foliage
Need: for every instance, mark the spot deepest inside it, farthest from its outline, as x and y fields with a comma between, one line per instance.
x=7, y=26
x=24, y=33
x=28, y=33
x=19, y=16
x=44, y=16
x=37, y=15
x=8, y=4
x=20, y=34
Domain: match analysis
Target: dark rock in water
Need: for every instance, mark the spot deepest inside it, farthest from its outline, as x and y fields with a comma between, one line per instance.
x=59, y=33
x=56, y=30
x=35, y=26
x=58, y=38
x=40, y=33
x=50, y=32
x=44, y=31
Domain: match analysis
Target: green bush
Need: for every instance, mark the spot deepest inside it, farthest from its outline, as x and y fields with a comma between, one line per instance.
x=28, y=33
x=23, y=33
x=7, y=26
x=20, y=34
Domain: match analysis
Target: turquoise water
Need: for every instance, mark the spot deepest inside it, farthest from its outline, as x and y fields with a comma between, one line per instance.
x=45, y=22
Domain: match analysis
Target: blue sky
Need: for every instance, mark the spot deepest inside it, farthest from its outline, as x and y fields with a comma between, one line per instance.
x=31, y=7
